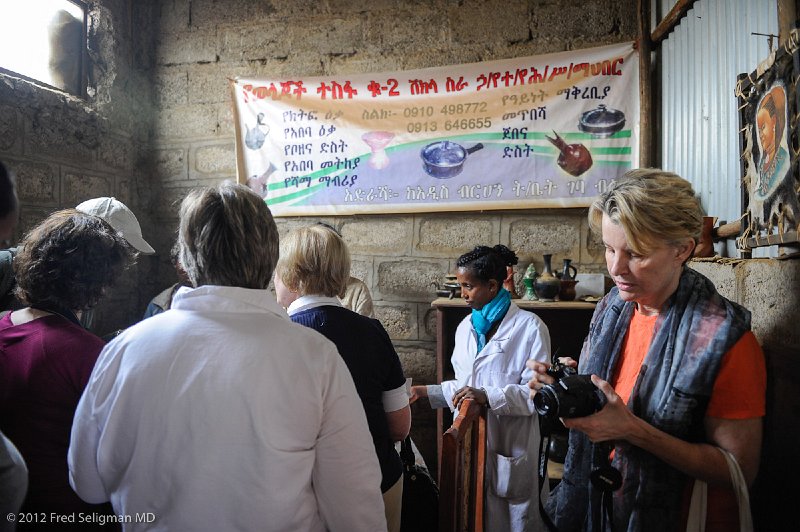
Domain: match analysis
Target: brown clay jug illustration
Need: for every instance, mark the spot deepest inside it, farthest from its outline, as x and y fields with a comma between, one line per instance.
x=574, y=159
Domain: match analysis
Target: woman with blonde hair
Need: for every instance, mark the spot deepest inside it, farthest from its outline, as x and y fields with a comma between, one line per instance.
x=313, y=269
x=682, y=374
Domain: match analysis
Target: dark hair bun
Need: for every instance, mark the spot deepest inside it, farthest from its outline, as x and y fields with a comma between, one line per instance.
x=488, y=263
x=507, y=255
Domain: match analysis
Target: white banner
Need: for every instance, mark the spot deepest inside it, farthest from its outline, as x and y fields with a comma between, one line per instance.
x=545, y=131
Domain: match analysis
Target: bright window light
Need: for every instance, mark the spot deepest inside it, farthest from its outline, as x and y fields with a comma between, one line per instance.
x=30, y=29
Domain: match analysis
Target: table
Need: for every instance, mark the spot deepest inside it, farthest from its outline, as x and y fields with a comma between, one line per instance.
x=568, y=322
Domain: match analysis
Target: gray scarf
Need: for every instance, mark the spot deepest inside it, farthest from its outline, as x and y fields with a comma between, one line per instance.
x=692, y=334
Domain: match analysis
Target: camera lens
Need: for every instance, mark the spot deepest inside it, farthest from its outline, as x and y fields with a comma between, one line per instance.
x=546, y=401
x=572, y=396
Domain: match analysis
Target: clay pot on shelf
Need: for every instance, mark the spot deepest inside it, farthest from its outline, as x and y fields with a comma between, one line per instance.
x=705, y=246
x=569, y=271
x=567, y=291
x=449, y=289
x=547, y=285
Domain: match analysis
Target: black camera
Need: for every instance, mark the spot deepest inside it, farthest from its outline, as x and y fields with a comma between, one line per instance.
x=572, y=395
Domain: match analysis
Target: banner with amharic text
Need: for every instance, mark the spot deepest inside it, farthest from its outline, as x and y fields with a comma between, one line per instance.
x=546, y=131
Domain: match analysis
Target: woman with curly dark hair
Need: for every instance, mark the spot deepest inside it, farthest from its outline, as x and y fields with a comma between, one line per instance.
x=62, y=268
x=492, y=345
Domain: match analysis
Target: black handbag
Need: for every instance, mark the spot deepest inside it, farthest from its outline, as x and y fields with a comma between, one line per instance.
x=420, y=512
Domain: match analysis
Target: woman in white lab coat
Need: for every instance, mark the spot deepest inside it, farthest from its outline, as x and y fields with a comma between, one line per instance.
x=492, y=345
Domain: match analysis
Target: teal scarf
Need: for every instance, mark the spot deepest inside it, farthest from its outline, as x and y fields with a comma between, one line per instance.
x=491, y=313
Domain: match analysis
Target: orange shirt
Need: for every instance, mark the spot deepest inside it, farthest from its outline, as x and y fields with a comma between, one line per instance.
x=739, y=393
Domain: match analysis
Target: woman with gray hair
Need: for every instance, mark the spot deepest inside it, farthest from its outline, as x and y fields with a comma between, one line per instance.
x=220, y=414
x=682, y=376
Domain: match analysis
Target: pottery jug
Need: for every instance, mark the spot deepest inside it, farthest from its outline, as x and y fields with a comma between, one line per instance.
x=567, y=291
x=547, y=285
x=569, y=271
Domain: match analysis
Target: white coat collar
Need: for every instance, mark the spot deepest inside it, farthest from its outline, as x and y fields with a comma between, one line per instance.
x=311, y=301
x=231, y=299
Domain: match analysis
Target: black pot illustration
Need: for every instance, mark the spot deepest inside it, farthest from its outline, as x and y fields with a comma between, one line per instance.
x=445, y=159
x=602, y=122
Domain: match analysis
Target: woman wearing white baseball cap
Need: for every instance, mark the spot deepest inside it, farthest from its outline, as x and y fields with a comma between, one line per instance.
x=121, y=219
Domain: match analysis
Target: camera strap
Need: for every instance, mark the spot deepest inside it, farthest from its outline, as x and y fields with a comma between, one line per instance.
x=605, y=480
x=544, y=454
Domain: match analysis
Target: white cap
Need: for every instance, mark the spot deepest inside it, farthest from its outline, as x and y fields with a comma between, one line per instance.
x=120, y=218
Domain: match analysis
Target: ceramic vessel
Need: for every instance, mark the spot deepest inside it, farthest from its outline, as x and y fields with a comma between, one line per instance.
x=568, y=271
x=547, y=285
x=567, y=291
x=528, y=280
x=449, y=289
x=530, y=295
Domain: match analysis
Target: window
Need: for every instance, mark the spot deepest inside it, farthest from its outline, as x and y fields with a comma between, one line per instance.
x=45, y=40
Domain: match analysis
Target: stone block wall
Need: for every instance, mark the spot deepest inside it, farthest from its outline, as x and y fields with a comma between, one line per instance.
x=400, y=257
x=157, y=122
x=65, y=149
x=769, y=289
x=202, y=43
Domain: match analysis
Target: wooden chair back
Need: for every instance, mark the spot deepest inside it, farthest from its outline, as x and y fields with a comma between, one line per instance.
x=463, y=461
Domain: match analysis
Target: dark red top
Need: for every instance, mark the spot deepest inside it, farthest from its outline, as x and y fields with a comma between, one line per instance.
x=44, y=366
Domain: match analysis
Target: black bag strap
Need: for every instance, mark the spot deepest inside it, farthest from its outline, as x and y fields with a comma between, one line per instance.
x=541, y=472
x=407, y=452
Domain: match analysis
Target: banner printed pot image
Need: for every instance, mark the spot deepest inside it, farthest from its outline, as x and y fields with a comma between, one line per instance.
x=445, y=159
x=602, y=122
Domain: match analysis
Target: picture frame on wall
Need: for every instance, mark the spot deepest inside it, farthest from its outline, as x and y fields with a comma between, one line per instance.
x=770, y=150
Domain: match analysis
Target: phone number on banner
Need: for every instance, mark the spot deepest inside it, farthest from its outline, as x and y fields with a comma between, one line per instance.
x=450, y=125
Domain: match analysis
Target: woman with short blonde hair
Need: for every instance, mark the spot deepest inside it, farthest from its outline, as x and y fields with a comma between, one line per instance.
x=314, y=260
x=653, y=205
x=682, y=375
x=313, y=269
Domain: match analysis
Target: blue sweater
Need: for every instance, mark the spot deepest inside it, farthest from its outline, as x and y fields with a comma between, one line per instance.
x=366, y=349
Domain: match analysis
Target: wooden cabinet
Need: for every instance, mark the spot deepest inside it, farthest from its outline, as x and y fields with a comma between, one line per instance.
x=567, y=321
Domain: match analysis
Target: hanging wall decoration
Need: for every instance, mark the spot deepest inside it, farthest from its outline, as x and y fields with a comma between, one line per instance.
x=768, y=114
x=529, y=132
